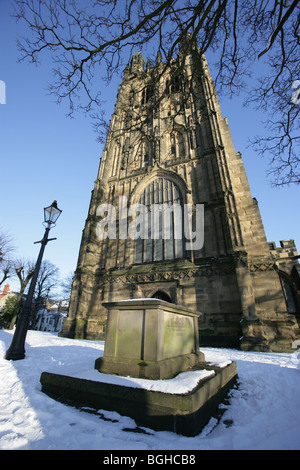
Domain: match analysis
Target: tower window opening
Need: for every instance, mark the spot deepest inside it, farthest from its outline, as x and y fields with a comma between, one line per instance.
x=147, y=94
x=175, y=84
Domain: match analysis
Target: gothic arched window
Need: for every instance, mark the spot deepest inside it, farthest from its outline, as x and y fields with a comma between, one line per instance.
x=288, y=292
x=162, y=234
x=145, y=153
x=147, y=94
x=177, y=145
x=173, y=84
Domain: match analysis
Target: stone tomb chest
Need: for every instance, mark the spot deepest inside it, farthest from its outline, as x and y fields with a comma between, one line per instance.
x=149, y=338
x=151, y=341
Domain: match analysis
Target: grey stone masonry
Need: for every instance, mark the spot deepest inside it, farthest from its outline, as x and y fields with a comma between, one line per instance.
x=168, y=141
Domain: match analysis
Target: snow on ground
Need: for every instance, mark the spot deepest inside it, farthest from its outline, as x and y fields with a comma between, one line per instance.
x=262, y=412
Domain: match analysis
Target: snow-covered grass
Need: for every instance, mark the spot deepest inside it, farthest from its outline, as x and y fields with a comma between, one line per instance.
x=262, y=412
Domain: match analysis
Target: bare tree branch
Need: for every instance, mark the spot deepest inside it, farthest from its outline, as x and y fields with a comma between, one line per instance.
x=85, y=37
x=6, y=250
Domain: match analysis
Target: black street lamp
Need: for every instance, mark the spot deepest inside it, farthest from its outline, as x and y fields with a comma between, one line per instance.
x=17, y=348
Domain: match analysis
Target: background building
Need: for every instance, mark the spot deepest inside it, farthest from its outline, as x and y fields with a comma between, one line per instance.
x=5, y=294
x=51, y=316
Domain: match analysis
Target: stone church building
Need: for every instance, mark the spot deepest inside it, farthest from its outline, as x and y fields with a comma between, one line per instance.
x=169, y=144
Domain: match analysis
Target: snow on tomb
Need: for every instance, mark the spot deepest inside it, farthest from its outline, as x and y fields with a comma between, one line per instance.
x=150, y=345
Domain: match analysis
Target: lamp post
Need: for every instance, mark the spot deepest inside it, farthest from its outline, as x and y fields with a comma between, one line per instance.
x=17, y=348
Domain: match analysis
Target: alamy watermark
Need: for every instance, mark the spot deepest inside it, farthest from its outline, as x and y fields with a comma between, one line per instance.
x=296, y=94
x=156, y=221
x=2, y=92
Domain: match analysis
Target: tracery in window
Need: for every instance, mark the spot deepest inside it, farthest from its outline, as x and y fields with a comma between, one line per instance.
x=147, y=94
x=145, y=152
x=177, y=145
x=173, y=84
x=163, y=223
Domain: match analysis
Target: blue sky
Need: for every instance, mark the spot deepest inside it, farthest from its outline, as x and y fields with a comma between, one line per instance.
x=45, y=156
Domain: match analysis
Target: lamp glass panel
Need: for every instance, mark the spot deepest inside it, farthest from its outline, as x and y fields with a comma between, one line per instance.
x=51, y=214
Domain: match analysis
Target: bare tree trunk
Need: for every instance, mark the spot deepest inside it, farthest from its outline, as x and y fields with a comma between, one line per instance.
x=23, y=283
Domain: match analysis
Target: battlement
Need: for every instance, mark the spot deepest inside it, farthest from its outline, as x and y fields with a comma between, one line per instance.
x=287, y=249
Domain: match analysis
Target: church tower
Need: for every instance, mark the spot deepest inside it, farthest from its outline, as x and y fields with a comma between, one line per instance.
x=169, y=145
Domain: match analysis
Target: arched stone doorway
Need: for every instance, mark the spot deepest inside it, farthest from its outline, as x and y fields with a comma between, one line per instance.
x=162, y=296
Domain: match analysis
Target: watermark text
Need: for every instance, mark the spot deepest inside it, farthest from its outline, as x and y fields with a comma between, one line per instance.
x=156, y=221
